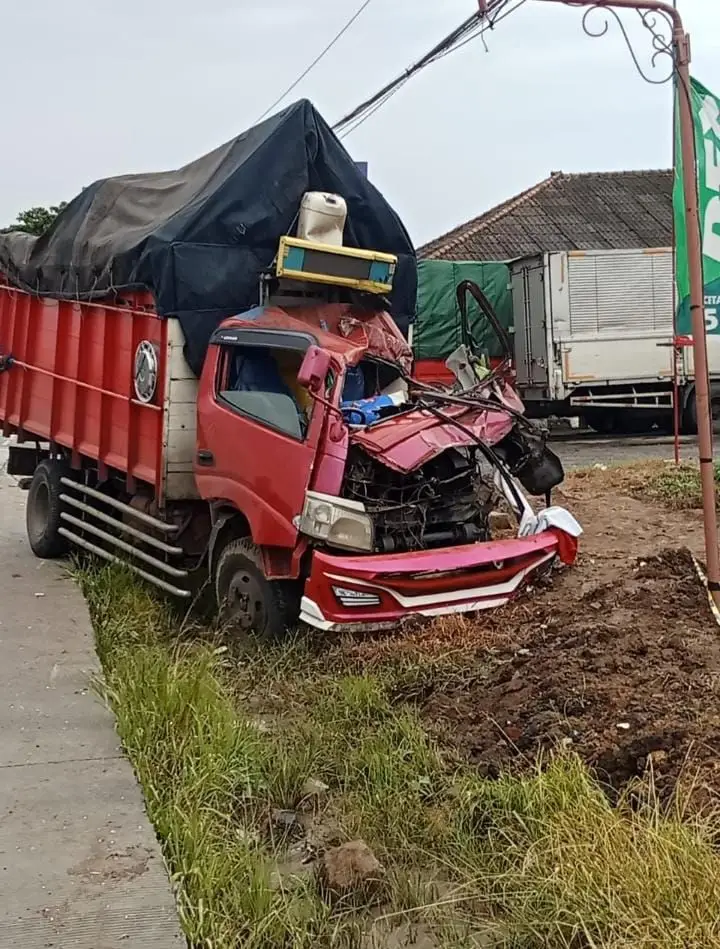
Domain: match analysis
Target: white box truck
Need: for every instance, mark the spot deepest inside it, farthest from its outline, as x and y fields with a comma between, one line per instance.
x=594, y=338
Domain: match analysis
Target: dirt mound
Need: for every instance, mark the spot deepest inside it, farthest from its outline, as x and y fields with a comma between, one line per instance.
x=626, y=673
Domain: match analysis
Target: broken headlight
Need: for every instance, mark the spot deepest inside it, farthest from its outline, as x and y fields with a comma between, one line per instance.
x=336, y=521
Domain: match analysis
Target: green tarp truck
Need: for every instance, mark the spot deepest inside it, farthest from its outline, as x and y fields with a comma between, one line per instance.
x=437, y=330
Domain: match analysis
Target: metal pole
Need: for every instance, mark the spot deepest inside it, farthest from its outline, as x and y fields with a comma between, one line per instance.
x=676, y=400
x=681, y=53
x=697, y=307
x=676, y=351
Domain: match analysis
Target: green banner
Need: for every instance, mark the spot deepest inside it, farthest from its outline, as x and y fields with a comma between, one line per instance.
x=706, y=120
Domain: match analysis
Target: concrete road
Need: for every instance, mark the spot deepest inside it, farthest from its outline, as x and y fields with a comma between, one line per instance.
x=588, y=449
x=80, y=867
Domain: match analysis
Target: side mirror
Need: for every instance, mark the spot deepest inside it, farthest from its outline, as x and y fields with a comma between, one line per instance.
x=314, y=369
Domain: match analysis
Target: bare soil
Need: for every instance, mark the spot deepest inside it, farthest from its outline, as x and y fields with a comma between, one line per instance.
x=617, y=658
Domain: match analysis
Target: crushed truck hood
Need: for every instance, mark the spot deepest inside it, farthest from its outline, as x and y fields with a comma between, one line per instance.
x=348, y=332
x=408, y=441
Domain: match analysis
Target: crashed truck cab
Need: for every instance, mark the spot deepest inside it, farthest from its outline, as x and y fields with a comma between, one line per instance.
x=371, y=496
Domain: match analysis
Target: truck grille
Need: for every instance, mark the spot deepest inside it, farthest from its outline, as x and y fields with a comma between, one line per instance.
x=444, y=502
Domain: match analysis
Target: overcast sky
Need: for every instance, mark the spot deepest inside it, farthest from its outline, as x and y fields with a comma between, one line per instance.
x=97, y=87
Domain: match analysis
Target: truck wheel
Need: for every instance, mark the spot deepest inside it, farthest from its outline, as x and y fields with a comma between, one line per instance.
x=42, y=514
x=246, y=599
x=602, y=421
x=690, y=420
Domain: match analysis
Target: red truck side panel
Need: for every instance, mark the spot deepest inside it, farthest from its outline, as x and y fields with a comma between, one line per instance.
x=435, y=372
x=71, y=380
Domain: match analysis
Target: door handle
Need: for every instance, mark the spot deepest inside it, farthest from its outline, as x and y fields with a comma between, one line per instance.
x=205, y=457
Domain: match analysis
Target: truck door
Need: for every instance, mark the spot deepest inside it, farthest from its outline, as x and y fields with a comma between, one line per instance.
x=531, y=356
x=258, y=430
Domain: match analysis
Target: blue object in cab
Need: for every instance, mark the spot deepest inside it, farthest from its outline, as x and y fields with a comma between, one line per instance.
x=367, y=411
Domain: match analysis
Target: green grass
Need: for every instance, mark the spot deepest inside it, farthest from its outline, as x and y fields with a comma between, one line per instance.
x=209, y=776
x=679, y=485
x=675, y=486
x=565, y=868
x=220, y=739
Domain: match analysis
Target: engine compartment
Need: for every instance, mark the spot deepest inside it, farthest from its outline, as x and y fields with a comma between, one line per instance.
x=429, y=466
x=447, y=500
x=442, y=503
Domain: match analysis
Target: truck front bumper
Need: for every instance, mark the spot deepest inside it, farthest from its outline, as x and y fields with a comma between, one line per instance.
x=377, y=591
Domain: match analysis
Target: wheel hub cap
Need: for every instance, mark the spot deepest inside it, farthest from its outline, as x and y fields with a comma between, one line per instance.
x=245, y=605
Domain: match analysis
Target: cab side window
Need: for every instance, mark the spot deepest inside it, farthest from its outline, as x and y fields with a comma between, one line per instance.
x=261, y=383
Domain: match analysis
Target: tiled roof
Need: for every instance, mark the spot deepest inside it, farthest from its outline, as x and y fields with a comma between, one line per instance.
x=614, y=210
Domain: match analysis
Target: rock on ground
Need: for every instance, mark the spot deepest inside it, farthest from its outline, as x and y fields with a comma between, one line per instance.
x=351, y=867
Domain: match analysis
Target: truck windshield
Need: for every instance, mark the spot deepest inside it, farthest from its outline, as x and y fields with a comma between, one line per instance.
x=369, y=378
x=262, y=383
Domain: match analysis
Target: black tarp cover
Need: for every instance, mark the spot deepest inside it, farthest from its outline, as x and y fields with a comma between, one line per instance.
x=199, y=237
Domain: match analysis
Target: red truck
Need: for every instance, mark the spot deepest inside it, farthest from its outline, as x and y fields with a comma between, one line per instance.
x=205, y=377
x=261, y=474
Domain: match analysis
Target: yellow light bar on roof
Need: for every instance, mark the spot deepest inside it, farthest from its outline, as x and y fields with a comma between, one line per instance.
x=366, y=270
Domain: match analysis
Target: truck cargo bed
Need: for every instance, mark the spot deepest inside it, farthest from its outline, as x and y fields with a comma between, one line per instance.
x=69, y=381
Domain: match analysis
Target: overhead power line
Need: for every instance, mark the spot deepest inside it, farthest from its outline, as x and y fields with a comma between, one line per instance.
x=468, y=30
x=363, y=6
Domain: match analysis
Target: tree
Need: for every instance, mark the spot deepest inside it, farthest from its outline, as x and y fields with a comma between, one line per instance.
x=37, y=220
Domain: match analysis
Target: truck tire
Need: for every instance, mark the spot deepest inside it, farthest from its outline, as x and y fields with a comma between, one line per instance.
x=603, y=421
x=690, y=418
x=42, y=513
x=246, y=599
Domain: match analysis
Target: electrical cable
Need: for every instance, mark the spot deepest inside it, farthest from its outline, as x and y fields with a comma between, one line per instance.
x=363, y=6
x=458, y=32
x=462, y=36
x=490, y=25
x=470, y=29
